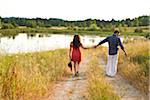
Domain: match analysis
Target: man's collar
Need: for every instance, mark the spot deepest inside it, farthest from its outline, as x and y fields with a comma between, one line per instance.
x=114, y=34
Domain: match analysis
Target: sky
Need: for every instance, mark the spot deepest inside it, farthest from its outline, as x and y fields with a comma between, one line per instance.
x=75, y=9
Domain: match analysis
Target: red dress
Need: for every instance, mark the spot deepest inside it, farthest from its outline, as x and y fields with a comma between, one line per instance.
x=76, y=54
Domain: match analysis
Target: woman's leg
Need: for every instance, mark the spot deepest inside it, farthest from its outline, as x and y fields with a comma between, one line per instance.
x=75, y=67
x=78, y=66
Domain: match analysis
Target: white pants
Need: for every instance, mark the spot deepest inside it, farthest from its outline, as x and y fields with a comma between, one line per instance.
x=111, y=68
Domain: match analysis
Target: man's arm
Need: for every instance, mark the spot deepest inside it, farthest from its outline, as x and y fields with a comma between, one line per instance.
x=122, y=47
x=103, y=41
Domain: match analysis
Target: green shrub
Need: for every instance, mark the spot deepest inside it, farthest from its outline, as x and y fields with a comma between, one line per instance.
x=7, y=26
x=138, y=30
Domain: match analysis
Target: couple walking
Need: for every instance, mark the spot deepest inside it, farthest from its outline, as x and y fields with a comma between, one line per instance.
x=113, y=42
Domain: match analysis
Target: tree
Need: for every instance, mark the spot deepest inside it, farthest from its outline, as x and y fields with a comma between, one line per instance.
x=93, y=25
x=0, y=23
x=40, y=23
x=88, y=22
x=31, y=23
x=144, y=20
x=84, y=24
x=7, y=26
x=128, y=22
x=136, y=22
x=138, y=30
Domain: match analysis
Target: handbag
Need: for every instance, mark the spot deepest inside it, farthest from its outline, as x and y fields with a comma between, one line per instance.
x=70, y=65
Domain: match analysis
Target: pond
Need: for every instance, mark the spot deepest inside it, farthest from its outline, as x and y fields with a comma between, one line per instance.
x=24, y=43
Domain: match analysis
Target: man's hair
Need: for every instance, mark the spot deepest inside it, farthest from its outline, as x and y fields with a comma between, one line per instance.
x=116, y=31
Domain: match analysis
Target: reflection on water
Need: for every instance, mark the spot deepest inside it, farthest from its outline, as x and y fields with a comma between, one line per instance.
x=40, y=42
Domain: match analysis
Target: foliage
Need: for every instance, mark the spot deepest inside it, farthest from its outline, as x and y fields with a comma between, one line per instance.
x=98, y=87
x=7, y=26
x=14, y=25
x=0, y=23
x=147, y=36
x=138, y=30
x=136, y=67
x=93, y=26
x=34, y=22
x=12, y=32
x=30, y=76
x=31, y=23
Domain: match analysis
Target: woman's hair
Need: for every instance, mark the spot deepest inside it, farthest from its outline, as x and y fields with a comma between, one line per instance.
x=76, y=41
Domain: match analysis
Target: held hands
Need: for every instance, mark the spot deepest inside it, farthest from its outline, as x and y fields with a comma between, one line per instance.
x=94, y=46
x=90, y=47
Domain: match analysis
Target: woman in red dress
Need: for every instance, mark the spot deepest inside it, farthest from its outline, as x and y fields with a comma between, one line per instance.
x=75, y=54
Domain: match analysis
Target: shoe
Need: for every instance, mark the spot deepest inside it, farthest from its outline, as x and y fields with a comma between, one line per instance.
x=73, y=76
x=77, y=74
x=109, y=76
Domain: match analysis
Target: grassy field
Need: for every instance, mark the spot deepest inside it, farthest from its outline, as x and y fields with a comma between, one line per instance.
x=30, y=76
x=136, y=67
x=98, y=87
x=26, y=76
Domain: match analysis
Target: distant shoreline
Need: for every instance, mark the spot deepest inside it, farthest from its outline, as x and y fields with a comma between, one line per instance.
x=14, y=32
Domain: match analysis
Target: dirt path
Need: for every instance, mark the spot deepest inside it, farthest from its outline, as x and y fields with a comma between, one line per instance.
x=122, y=87
x=73, y=88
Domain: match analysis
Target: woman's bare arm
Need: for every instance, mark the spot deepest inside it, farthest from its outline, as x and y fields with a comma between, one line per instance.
x=84, y=47
x=70, y=50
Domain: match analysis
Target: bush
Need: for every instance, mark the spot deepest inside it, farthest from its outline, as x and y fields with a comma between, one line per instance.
x=138, y=30
x=147, y=36
x=7, y=26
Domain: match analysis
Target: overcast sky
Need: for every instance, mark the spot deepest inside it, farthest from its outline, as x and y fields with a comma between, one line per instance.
x=75, y=9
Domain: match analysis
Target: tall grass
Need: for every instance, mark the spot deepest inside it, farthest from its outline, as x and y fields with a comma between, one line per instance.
x=136, y=67
x=30, y=76
x=98, y=87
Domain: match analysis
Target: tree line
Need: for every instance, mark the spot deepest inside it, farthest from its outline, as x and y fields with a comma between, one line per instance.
x=13, y=22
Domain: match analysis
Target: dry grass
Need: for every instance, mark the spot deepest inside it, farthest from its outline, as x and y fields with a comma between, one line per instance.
x=30, y=76
x=98, y=87
x=136, y=67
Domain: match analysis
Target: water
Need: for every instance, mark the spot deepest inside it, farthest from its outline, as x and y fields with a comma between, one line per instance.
x=23, y=43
